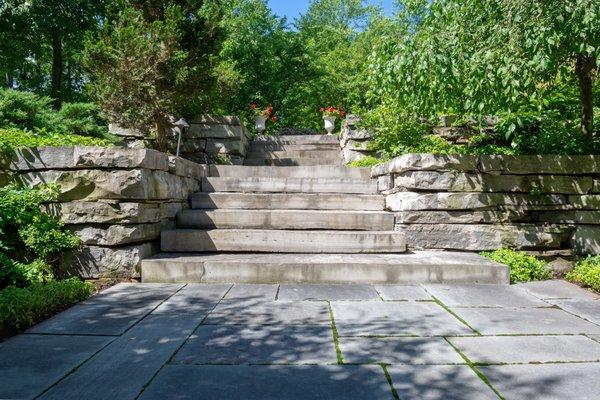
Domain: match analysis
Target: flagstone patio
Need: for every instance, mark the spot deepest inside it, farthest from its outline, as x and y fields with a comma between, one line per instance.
x=169, y=341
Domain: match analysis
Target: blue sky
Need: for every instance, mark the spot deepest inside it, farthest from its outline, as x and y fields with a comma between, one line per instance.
x=293, y=8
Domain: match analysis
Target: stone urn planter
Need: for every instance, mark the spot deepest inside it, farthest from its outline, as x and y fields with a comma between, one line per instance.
x=261, y=124
x=329, y=124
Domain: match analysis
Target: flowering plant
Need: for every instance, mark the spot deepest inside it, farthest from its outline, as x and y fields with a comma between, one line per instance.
x=266, y=113
x=333, y=112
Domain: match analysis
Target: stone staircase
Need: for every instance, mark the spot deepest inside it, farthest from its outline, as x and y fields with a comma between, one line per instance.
x=294, y=214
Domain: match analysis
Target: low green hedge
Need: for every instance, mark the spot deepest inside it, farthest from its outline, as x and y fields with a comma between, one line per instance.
x=14, y=138
x=586, y=273
x=523, y=267
x=21, y=308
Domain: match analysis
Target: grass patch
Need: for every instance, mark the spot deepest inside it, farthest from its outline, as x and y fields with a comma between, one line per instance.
x=523, y=267
x=336, y=336
x=366, y=162
x=21, y=308
x=586, y=273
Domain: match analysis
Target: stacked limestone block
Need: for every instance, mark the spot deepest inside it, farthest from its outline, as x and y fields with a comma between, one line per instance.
x=354, y=140
x=117, y=200
x=487, y=202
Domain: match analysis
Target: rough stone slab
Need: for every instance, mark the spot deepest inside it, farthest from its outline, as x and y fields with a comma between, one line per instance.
x=558, y=289
x=138, y=184
x=527, y=349
x=384, y=183
x=483, y=237
x=219, y=131
x=298, y=382
x=110, y=211
x=410, y=201
x=585, y=202
x=193, y=299
x=461, y=217
x=283, y=201
x=124, y=367
x=378, y=318
x=67, y=158
x=461, y=182
x=548, y=382
x=287, y=219
x=181, y=167
x=409, y=268
x=525, y=321
x=265, y=147
x=225, y=146
x=293, y=162
x=234, y=344
x=189, y=145
x=283, y=241
x=125, y=132
x=260, y=312
x=398, y=350
x=586, y=309
x=327, y=292
x=402, y=293
x=118, y=235
x=97, y=262
x=29, y=364
x=569, y=217
x=427, y=162
x=289, y=185
x=586, y=240
x=439, y=382
x=340, y=172
x=539, y=164
x=484, y=296
x=216, y=120
x=298, y=139
x=252, y=292
x=454, y=133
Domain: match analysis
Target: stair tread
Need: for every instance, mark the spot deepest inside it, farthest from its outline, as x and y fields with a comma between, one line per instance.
x=330, y=171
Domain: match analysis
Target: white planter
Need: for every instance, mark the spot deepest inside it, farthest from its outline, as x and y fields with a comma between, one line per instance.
x=261, y=124
x=329, y=124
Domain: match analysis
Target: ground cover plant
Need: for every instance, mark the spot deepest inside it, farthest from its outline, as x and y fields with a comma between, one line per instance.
x=523, y=267
x=586, y=273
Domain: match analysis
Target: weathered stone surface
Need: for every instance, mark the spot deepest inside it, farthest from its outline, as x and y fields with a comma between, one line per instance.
x=461, y=182
x=186, y=168
x=584, y=308
x=586, y=202
x=540, y=164
x=261, y=312
x=117, y=235
x=586, y=240
x=402, y=293
x=569, y=217
x=484, y=296
x=427, y=162
x=43, y=158
x=113, y=212
x=220, y=131
x=453, y=133
x=252, y=292
x=384, y=183
x=225, y=146
x=327, y=292
x=482, y=237
x=351, y=155
x=193, y=300
x=96, y=262
x=410, y=201
x=558, y=289
x=216, y=120
x=359, y=145
x=189, y=145
x=460, y=217
x=94, y=184
x=125, y=132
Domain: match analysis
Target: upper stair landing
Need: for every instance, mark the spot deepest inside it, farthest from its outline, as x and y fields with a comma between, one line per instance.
x=288, y=151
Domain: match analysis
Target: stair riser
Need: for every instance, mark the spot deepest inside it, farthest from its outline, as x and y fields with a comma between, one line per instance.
x=250, y=201
x=272, y=241
x=346, y=272
x=285, y=185
x=292, y=162
x=298, y=220
x=298, y=140
x=265, y=147
x=227, y=171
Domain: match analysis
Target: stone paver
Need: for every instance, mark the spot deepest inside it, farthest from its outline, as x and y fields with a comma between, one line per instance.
x=249, y=312
x=298, y=382
x=193, y=299
x=528, y=349
x=134, y=294
x=398, y=350
x=378, y=318
x=439, y=382
x=252, y=292
x=484, y=296
x=29, y=364
x=525, y=321
x=327, y=292
x=558, y=289
x=545, y=382
x=234, y=344
x=587, y=309
x=402, y=293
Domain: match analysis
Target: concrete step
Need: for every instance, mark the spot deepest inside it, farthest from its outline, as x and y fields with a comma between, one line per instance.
x=298, y=139
x=409, y=268
x=289, y=185
x=287, y=219
x=326, y=154
x=292, y=162
x=284, y=201
x=325, y=171
x=265, y=147
x=281, y=241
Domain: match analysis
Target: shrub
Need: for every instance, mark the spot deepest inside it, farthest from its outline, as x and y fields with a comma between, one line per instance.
x=586, y=273
x=523, y=267
x=21, y=308
x=82, y=119
x=366, y=162
x=25, y=110
x=14, y=138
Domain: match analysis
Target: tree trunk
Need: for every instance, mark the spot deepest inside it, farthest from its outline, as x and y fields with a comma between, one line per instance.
x=585, y=68
x=8, y=80
x=57, y=64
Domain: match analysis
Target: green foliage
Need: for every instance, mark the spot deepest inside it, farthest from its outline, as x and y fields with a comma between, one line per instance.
x=24, y=110
x=587, y=273
x=30, y=239
x=21, y=308
x=12, y=138
x=366, y=162
x=523, y=267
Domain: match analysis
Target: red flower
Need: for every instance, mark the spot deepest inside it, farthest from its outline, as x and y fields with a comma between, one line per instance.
x=331, y=109
x=274, y=118
x=253, y=106
x=343, y=114
x=322, y=109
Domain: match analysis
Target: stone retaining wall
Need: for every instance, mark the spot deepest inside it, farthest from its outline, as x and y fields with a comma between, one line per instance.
x=354, y=140
x=117, y=200
x=480, y=203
